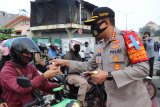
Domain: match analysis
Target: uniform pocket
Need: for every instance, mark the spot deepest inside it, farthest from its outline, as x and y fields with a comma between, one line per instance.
x=116, y=62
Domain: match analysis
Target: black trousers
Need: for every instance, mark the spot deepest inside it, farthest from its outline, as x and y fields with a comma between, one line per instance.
x=151, y=63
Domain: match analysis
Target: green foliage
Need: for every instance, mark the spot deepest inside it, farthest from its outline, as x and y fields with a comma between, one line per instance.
x=5, y=33
x=157, y=32
x=146, y=28
x=149, y=29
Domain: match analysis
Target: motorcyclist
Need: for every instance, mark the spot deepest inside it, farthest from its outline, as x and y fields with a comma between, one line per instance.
x=87, y=51
x=74, y=78
x=5, y=46
x=41, y=58
x=22, y=52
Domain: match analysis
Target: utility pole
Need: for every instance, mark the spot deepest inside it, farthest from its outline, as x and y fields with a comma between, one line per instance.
x=126, y=16
x=80, y=11
x=108, y=2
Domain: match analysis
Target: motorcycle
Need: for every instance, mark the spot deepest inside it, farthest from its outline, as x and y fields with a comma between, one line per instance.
x=95, y=97
x=151, y=88
x=52, y=100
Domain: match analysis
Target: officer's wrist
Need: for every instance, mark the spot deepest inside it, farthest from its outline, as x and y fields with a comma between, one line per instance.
x=109, y=76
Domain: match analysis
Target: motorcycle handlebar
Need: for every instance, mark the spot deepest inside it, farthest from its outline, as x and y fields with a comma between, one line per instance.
x=30, y=104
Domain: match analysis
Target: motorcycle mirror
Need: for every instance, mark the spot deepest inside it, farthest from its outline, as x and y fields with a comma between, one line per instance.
x=23, y=82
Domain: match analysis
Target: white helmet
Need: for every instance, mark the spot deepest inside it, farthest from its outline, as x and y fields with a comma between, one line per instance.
x=73, y=43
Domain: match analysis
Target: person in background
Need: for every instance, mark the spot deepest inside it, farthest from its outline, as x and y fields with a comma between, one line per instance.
x=87, y=51
x=41, y=59
x=74, y=77
x=149, y=46
x=5, y=46
x=156, y=46
x=119, y=62
x=21, y=53
x=52, y=51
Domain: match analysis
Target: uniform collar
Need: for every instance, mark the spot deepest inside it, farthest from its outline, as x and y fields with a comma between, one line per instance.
x=112, y=38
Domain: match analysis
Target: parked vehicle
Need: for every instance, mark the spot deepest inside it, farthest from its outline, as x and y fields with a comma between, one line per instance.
x=150, y=87
x=96, y=96
x=52, y=100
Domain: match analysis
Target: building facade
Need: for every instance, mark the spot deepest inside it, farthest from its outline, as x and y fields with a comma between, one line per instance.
x=6, y=17
x=21, y=26
x=59, y=19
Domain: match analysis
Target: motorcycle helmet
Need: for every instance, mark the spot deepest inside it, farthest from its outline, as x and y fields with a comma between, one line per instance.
x=42, y=47
x=22, y=45
x=5, y=45
x=74, y=46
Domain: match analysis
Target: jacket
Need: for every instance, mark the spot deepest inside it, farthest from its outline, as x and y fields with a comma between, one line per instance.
x=127, y=88
x=15, y=95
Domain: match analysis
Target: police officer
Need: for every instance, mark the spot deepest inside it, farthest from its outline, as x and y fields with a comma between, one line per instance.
x=120, y=62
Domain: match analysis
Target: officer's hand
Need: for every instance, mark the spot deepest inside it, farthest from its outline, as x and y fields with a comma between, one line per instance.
x=53, y=71
x=60, y=62
x=99, y=76
x=3, y=105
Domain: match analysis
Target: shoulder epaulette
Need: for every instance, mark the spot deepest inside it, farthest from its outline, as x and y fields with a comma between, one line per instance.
x=134, y=47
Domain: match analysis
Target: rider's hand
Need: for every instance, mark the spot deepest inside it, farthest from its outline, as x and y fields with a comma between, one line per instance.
x=99, y=76
x=3, y=105
x=53, y=71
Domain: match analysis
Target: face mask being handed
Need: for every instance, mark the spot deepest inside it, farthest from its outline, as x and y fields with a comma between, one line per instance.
x=95, y=29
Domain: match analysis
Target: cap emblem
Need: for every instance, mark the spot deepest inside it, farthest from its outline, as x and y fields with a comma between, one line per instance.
x=103, y=14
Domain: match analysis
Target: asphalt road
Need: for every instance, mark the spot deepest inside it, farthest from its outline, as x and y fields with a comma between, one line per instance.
x=156, y=81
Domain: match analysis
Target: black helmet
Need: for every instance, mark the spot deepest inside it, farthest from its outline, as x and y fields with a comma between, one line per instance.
x=22, y=45
x=42, y=47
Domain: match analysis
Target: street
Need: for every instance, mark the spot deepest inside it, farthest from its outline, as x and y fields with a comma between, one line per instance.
x=156, y=81
x=156, y=101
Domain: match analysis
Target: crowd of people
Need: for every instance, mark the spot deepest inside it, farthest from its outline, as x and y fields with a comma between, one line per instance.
x=121, y=67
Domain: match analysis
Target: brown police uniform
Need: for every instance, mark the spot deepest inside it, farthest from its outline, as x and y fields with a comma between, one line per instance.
x=127, y=88
x=75, y=79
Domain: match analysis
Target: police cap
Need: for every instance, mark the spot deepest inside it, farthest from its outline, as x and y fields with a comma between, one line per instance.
x=99, y=13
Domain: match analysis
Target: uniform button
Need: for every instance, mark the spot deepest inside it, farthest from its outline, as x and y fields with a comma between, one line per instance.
x=117, y=66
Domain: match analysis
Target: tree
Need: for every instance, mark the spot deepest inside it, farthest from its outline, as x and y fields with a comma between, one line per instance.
x=5, y=33
x=146, y=29
x=157, y=32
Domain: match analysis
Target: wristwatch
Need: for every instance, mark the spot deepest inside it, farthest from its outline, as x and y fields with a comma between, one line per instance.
x=109, y=77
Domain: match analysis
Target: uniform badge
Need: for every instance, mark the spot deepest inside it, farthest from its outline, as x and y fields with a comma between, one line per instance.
x=99, y=51
x=115, y=58
x=116, y=44
x=113, y=35
x=116, y=66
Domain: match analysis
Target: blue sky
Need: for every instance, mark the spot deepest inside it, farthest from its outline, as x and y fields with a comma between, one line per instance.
x=140, y=11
